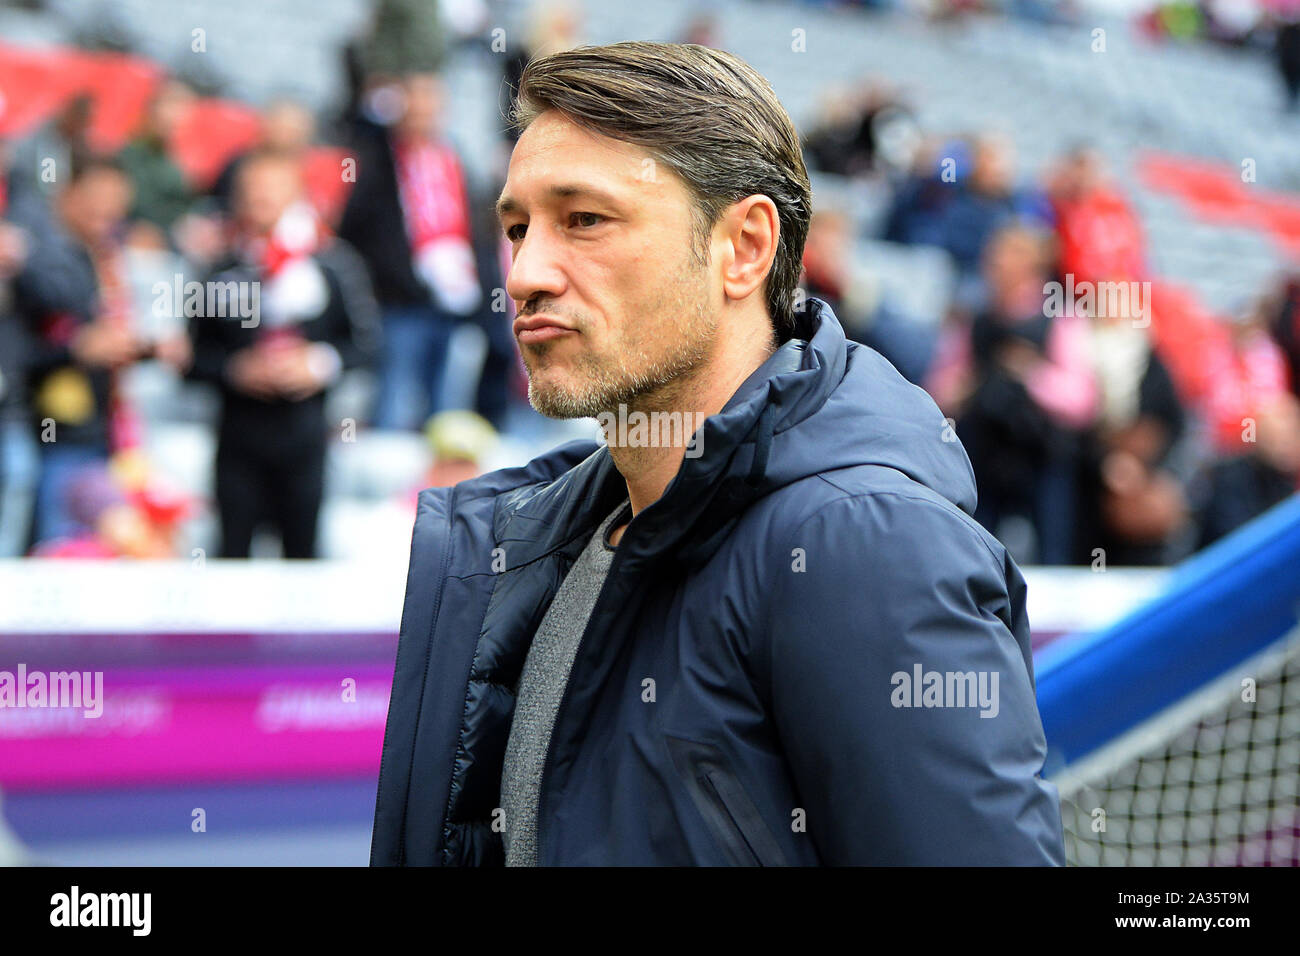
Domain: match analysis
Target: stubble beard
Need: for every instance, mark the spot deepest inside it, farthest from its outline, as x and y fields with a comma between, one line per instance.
x=644, y=376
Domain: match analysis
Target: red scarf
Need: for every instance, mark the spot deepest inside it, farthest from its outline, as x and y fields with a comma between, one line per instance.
x=432, y=189
x=296, y=237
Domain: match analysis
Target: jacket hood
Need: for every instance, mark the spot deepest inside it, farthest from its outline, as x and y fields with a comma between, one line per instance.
x=818, y=404
x=849, y=406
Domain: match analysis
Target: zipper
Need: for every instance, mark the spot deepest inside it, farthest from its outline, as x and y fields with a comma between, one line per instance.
x=433, y=626
x=737, y=831
x=549, y=760
x=730, y=813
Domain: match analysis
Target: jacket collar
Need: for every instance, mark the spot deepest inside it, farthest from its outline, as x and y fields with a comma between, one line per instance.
x=694, y=514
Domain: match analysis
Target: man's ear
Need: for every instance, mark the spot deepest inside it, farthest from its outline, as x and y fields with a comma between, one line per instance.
x=752, y=232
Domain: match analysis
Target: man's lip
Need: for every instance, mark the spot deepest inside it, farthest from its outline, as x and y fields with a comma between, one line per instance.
x=532, y=322
x=543, y=333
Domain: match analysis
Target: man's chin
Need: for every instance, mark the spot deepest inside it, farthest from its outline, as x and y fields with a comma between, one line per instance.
x=557, y=402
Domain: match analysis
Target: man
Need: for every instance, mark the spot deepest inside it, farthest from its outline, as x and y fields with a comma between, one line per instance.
x=14, y=346
x=286, y=126
x=297, y=311
x=162, y=193
x=409, y=217
x=74, y=293
x=702, y=653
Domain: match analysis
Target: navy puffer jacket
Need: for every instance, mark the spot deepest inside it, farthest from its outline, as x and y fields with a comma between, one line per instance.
x=746, y=690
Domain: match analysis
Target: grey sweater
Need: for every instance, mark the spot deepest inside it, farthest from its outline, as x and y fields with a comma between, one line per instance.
x=541, y=687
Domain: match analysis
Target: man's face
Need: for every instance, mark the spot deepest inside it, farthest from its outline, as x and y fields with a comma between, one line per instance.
x=287, y=126
x=601, y=246
x=424, y=97
x=95, y=205
x=266, y=188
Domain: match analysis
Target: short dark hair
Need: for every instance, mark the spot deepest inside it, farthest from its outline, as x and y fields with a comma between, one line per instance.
x=705, y=114
x=84, y=162
x=271, y=155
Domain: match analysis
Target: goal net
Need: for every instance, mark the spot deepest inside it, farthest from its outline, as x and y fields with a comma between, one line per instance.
x=1174, y=736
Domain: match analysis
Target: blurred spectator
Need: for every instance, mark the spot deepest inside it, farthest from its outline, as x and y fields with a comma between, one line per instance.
x=409, y=217
x=1255, y=425
x=286, y=127
x=13, y=357
x=703, y=29
x=959, y=202
x=406, y=36
x=74, y=292
x=44, y=159
x=828, y=270
x=502, y=382
x=553, y=26
x=832, y=274
x=859, y=130
x=1285, y=15
x=1246, y=376
x=1286, y=328
x=1026, y=397
x=162, y=193
x=460, y=440
x=1097, y=230
x=1236, y=489
x=312, y=317
x=920, y=201
x=117, y=516
x=1132, y=504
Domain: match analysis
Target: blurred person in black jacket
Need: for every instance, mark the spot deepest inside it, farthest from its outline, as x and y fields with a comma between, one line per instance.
x=1258, y=467
x=409, y=217
x=852, y=135
x=74, y=293
x=1285, y=326
x=1032, y=396
x=1132, y=504
x=42, y=159
x=281, y=319
x=13, y=345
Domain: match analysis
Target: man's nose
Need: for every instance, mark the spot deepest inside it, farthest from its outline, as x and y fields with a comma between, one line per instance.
x=536, y=269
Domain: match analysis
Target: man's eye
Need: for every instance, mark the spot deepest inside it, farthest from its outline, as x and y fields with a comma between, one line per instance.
x=583, y=219
x=516, y=232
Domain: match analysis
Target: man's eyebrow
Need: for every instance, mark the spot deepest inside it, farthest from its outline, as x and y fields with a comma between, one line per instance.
x=508, y=204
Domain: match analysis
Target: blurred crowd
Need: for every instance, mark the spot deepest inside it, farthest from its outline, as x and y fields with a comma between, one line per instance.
x=1271, y=26
x=258, y=284
x=356, y=243
x=1109, y=418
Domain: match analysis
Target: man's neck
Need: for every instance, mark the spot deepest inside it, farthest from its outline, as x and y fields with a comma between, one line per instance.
x=648, y=469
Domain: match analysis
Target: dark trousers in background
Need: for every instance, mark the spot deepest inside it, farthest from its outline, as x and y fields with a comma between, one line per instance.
x=274, y=487
x=1288, y=61
x=497, y=379
x=62, y=463
x=412, y=366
